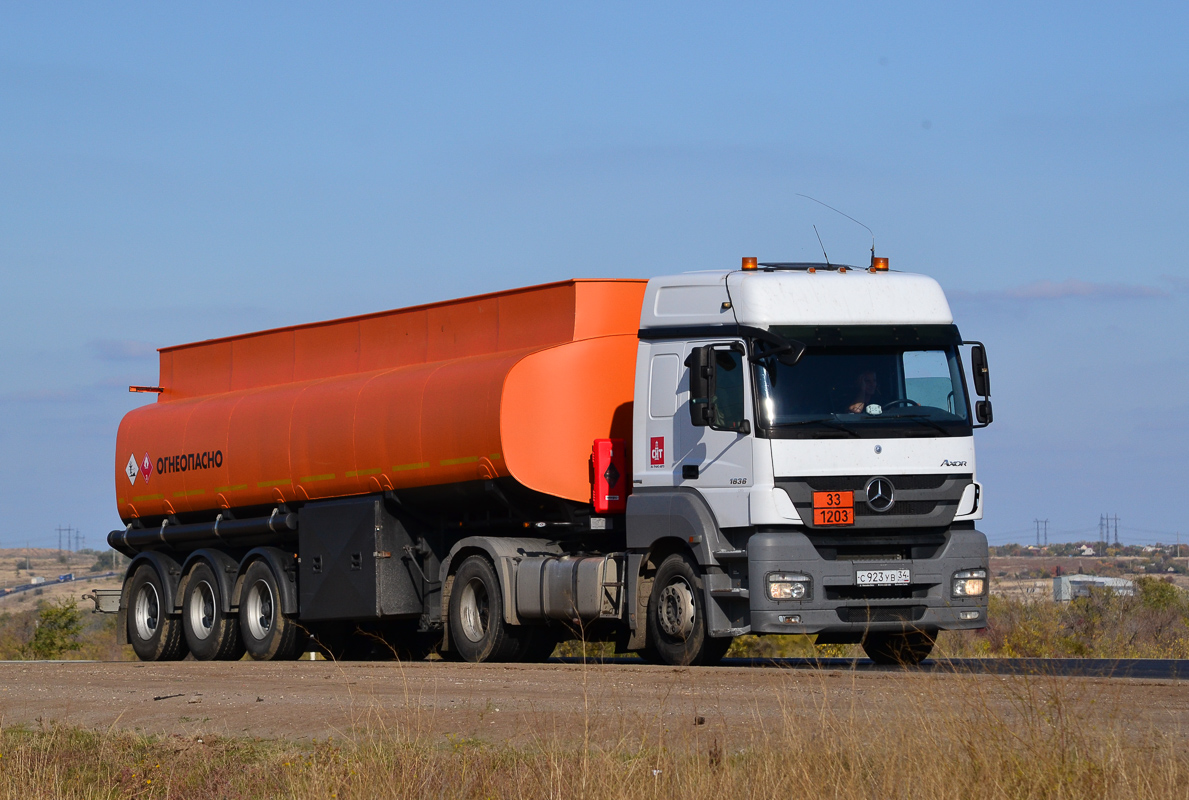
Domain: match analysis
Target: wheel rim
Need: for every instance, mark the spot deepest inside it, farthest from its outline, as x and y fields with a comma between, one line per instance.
x=147, y=611
x=676, y=609
x=260, y=610
x=202, y=610
x=474, y=609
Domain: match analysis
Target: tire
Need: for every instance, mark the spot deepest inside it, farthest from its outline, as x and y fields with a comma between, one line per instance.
x=267, y=634
x=677, y=633
x=210, y=633
x=154, y=633
x=899, y=649
x=477, y=629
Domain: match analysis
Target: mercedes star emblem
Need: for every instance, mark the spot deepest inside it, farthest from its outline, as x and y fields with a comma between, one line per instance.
x=880, y=494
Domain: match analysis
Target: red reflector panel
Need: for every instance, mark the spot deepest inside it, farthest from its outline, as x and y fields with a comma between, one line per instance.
x=609, y=480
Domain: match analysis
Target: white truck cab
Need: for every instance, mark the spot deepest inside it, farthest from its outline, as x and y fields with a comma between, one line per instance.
x=818, y=415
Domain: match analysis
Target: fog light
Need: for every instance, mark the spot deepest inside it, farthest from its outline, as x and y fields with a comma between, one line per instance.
x=970, y=583
x=788, y=586
x=790, y=619
x=967, y=615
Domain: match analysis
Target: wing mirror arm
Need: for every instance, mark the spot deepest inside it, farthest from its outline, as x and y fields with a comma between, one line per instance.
x=766, y=344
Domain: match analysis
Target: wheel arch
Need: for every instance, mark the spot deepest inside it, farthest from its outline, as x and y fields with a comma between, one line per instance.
x=284, y=567
x=504, y=554
x=226, y=571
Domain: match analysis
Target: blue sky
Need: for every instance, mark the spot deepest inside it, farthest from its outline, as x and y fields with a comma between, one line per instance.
x=171, y=174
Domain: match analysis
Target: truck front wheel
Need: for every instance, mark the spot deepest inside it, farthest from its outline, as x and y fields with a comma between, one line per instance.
x=268, y=635
x=899, y=649
x=677, y=632
x=210, y=633
x=155, y=635
x=477, y=628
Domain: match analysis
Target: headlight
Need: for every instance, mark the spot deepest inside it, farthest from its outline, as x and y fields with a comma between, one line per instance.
x=788, y=586
x=970, y=583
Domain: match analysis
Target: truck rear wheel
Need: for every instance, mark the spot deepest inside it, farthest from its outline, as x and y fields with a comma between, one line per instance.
x=155, y=635
x=677, y=632
x=210, y=633
x=899, y=649
x=477, y=629
x=268, y=635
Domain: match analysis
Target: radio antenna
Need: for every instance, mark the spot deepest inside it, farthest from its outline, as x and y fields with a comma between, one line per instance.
x=848, y=216
x=822, y=246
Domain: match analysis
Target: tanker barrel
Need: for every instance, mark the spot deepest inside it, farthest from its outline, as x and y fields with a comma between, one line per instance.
x=239, y=532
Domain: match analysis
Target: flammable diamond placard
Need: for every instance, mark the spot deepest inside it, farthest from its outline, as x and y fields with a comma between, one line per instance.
x=146, y=467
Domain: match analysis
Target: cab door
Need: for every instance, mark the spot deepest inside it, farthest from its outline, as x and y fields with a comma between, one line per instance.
x=716, y=458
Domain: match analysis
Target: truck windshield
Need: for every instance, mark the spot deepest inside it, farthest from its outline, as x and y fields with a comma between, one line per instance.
x=866, y=381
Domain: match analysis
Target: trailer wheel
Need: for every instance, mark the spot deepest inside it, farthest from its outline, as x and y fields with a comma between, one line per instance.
x=210, y=633
x=899, y=649
x=268, y=635
x=155, y=635
x=677, y=632
x=477, y=628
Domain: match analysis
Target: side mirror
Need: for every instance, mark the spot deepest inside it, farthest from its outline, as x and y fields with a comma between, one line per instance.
x=978, y=368
x=794, y=355
x=701, y=385
x=982, y=411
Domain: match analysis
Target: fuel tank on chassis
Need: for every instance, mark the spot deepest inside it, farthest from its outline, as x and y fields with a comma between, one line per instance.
x=514, y=384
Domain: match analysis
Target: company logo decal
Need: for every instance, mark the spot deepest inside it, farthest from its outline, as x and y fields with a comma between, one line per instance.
x=947, y=463
x=656, y=452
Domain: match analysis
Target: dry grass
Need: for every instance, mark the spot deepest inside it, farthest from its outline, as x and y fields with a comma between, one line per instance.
x=1017, y=738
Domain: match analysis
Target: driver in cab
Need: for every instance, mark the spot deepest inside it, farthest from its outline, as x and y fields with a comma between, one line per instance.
x=867, y=391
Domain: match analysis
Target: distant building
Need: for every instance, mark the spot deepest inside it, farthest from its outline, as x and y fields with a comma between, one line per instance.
x=1087, y=550
x=1067, y=587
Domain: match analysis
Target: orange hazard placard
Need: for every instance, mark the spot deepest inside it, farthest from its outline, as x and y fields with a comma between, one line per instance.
x=833, y=516
x=833, y=499
x=833, y=508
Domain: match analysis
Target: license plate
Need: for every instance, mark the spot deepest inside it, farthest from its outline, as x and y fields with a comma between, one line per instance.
x=833, y=508
x=882, y=577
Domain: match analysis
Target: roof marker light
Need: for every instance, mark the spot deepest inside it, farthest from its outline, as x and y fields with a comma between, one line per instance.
x=842, y=269
x=879, y=264
x=749, y=262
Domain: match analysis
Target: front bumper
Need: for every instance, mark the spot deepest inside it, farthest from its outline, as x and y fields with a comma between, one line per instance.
x=840, y=610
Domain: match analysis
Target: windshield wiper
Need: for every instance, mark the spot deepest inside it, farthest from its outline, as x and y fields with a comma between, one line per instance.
x=827, y=421
x=921, y=418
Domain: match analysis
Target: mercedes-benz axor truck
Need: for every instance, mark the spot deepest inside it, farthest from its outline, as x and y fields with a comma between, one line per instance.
x=667, y=464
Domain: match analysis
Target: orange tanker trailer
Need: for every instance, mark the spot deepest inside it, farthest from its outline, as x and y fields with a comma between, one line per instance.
x=477, y=413
x=509, y=385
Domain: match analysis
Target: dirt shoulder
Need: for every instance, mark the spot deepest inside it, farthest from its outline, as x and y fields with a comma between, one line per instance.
x=523, y=704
